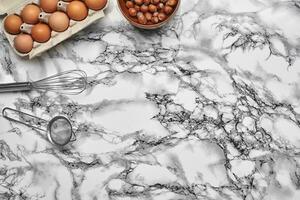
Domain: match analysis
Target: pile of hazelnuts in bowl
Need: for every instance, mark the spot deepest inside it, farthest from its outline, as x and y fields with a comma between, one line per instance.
x=148, y=14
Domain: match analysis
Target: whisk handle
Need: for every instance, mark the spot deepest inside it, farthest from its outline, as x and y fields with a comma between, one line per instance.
x=15, y=87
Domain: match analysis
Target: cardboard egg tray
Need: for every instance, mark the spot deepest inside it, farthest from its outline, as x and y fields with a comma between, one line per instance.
x=16, y=6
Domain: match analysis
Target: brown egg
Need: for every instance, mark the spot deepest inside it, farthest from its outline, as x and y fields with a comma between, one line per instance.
x=77, y=10
x=95, y=4
x=41, y=33
x=59, y=21
x=49, y=6
x=12, y=24
x=23, y=43
x=30, y=14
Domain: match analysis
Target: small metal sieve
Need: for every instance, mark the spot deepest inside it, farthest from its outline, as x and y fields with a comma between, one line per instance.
x=59, y=129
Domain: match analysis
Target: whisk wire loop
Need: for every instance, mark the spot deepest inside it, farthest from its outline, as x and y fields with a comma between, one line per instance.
x=68, y=82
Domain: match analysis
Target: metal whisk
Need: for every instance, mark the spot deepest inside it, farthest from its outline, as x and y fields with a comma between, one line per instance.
x=68, y=82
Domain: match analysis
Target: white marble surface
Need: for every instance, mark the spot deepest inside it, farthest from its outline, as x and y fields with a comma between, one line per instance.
x=205, y=108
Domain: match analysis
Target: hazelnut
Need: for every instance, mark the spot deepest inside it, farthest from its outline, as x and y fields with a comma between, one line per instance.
x=138, y=8
x=160, y=6
x=129, y=4
x=138, y=2
x=138, y=14
x=168, y=10
x=152, y=8
x=142, y=19
x=155, y=1
x=148, y=16
x=155, y=14
x=171, y=3
x=154, y=20
x=132, y=12
x=144, y=8
x=147, y=2
x=162, y=16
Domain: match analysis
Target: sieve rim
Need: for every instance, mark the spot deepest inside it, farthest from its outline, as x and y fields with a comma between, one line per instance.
x=49, y=130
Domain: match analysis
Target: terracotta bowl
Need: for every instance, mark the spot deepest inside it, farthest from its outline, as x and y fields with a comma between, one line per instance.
x=134, y=21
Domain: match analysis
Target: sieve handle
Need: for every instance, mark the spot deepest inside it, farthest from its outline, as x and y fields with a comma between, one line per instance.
x=6, y=111
x=16, y=87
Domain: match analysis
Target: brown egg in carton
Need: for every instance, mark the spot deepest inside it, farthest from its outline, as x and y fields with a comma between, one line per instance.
x=33, y=27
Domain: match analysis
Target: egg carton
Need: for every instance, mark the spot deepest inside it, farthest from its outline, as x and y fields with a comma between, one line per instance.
x=16, y=6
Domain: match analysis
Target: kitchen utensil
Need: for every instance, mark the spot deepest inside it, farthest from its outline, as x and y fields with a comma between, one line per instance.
x=59, y=129
x=68, y=82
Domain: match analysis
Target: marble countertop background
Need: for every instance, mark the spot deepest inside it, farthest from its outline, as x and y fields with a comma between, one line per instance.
x=206, y=108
